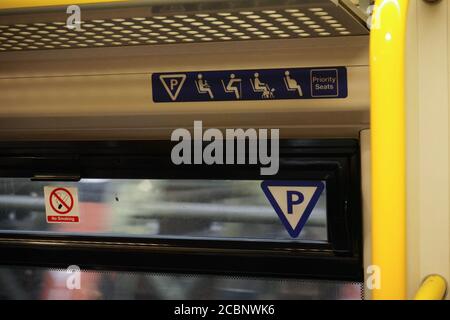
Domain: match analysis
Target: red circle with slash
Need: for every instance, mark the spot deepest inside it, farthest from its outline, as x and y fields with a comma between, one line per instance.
x=64, y=207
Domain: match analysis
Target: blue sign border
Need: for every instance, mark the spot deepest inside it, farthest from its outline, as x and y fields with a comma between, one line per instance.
x=293, y=232
x=273, y=80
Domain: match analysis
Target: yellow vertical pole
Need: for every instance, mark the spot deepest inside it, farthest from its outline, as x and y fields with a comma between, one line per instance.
x=387, y=69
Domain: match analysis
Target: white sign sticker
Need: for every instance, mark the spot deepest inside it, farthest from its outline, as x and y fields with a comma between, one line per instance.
x=61, y=204
x=293, y=201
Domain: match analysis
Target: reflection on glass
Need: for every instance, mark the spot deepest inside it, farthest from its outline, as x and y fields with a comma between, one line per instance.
x=224, y=209
x=39, y=283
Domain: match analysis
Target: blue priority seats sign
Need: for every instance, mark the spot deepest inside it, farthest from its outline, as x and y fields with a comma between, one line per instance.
x=264, y=84
x=293, y=201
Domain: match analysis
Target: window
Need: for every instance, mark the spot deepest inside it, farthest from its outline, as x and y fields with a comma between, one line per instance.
x=48, y=284
x=141, y=213
x=212, y=209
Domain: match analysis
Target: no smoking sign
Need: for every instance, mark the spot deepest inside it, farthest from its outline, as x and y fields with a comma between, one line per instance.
x=61, y=204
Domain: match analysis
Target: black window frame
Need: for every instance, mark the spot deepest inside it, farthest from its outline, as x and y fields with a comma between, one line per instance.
x=335, y=161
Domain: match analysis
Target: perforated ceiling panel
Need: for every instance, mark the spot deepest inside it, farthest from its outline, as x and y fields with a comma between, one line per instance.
x=137, y=27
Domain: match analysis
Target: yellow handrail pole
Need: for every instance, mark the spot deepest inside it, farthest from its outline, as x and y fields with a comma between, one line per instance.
x=387, y=51
x=15, y=4
x=433, y=288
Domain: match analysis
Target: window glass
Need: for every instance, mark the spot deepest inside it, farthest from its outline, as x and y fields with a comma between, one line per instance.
x=222, y=209
x=39, y=283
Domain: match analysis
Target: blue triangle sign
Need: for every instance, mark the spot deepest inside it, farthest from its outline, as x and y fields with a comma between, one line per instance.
x=173, y=84
x=293, y=201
